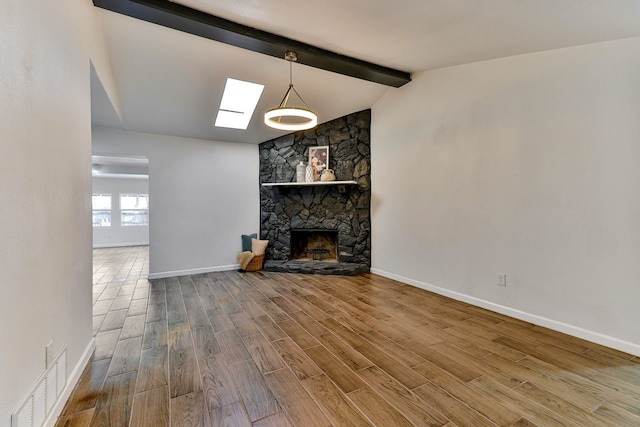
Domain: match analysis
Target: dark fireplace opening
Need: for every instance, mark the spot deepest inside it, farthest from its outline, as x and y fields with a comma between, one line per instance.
x=314, y=245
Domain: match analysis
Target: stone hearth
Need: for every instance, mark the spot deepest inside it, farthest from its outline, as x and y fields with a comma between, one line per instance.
x=316, y=267
x=319, y=207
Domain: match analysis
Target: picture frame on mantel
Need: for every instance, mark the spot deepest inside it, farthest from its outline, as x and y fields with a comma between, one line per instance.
x=318, y=160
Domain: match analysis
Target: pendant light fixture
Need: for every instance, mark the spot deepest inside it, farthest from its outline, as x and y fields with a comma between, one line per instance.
x=291, y=118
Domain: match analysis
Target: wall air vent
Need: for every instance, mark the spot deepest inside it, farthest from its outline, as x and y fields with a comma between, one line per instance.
x=43, y=396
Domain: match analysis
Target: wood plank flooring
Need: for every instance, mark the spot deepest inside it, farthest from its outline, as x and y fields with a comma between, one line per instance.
x=270, y=349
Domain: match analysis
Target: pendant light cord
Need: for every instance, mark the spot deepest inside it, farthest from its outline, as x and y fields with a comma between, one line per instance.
x=284, y=101
x=301, y=118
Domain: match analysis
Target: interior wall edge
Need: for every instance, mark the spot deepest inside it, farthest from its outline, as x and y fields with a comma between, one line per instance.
x=176, y=273
x=119, y=245
x=592, y=336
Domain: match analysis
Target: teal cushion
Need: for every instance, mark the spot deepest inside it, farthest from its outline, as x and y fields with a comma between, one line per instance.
x=246, y=241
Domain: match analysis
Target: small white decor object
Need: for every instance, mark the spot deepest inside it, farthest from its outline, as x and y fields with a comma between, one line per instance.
x=309, y=174
x=327, y=175
x=301, y=172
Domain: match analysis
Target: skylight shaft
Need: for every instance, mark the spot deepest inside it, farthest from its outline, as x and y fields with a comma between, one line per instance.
x=238, y=103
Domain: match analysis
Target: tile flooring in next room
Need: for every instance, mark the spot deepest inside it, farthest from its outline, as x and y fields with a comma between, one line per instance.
x=274, y=349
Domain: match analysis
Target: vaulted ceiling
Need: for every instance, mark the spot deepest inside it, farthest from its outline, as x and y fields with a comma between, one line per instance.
x=171, y=83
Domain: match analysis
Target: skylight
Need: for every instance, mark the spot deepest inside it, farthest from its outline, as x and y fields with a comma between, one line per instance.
x=239, y=100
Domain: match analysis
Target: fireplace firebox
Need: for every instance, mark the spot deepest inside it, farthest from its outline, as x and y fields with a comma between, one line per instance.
x=314, y=245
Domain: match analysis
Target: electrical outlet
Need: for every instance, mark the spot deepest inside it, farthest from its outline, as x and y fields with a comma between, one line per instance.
x=502, y=279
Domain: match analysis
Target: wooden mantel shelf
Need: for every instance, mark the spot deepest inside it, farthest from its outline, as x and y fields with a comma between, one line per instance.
x=307, y=184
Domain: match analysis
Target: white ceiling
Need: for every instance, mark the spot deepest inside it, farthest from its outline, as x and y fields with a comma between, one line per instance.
x=102, y=111
x=171, y=82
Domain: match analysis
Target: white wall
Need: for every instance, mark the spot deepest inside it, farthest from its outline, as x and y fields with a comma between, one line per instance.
x=203, y=196
x=117, y=235
x=525, y=165
x=45, y=186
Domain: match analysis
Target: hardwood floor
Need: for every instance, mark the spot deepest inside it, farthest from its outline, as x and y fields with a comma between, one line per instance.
x=272, y=349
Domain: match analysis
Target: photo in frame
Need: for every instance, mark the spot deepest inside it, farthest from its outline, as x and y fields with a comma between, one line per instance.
x=318, y=160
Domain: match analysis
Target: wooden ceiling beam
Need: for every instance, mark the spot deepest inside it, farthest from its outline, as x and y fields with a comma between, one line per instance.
x=198, y=23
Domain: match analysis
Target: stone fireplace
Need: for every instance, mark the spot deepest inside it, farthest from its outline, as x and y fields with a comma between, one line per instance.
x=314, y=245
x=335, y=217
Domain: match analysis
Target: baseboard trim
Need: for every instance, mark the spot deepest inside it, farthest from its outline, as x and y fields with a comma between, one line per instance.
x=119, y=245
x=596, y=337
x=165, y=274
x=73, y=379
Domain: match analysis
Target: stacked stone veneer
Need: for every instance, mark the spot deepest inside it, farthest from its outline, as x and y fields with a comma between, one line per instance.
x=319, y=207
